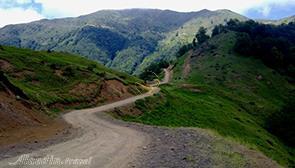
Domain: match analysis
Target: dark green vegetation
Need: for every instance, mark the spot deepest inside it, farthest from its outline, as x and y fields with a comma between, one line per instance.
x=274, y=45
x=201, y=36
x=282, y=122
x=127, y=40
x=153, y=71
x=56, y=80
x=239, y=97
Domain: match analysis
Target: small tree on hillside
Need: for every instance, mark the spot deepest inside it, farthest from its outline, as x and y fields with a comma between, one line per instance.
x=194, y=42
x=201, y=35
x=217, y=30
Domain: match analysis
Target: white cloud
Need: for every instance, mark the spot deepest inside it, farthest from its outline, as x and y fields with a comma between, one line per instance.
x=18, y=15
x=71, y=8
x=23, y=1
x=265, y=11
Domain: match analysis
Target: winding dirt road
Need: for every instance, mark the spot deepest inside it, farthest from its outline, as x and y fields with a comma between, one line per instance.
x=103, y=143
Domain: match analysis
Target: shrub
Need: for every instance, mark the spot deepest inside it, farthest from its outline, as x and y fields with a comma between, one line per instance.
x=68, y=71
x=154, y=69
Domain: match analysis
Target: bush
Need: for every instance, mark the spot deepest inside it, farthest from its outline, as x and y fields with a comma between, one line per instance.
x=201, y=36
x=243, y=44
x=69, y=71
x=184, y=49
x=91, y=67
x=154, y=69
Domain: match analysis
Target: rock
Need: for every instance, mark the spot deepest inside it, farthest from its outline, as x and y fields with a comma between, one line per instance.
x=259, y=77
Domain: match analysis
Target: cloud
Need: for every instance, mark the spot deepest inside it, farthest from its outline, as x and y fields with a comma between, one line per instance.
x=272, y=10
x=19, y=11
x=23, y=1
x=18, y=15
x=265, y=11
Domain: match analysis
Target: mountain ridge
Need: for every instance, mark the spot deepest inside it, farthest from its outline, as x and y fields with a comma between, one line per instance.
x=126, y=40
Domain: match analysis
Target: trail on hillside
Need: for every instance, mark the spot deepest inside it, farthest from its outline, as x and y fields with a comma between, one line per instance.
x=104, y=143
x=107, y=142
x=168, y=75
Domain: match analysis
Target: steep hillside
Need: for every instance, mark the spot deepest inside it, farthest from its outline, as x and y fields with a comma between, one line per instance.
x=36, y=86
x=126, y=40
x=55, y=81
x=215, y=88
x=22, y=123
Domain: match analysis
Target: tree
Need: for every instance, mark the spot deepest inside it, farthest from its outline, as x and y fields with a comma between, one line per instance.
x=194, y=42
x=277, y=56
x=185, y=49
x=243, y=44
x=201, y=35
x=217, y=30
x=155, y=68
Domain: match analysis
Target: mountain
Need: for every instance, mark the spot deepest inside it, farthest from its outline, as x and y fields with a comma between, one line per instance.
x=126, y=40
x=239, y=96
x=280, y=21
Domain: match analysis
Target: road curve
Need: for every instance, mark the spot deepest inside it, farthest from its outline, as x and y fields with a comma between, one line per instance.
x=108, y=144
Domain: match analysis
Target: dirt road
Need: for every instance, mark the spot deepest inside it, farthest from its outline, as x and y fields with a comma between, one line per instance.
x=168, y=75
x=105, y=144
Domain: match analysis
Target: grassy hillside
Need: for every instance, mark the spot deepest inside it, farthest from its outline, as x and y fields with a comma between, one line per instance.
x=215, y=88
x=56, y=81
x=168, y=47
x=120, y=39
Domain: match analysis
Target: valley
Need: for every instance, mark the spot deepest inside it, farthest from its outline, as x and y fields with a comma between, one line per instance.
x=126, y=40
x=149, y=88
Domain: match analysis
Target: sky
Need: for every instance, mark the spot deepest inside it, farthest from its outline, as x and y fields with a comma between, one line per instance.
x=22, y=11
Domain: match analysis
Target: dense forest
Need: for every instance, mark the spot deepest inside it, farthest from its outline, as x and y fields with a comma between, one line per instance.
x=274, y=45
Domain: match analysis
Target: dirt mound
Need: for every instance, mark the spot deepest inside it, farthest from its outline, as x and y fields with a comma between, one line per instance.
x=20, y=123
x=113, y=90
x=85, y=89
x=5, y=65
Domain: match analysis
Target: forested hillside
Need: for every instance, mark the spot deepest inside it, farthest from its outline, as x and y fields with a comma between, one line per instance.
x=127, y=40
